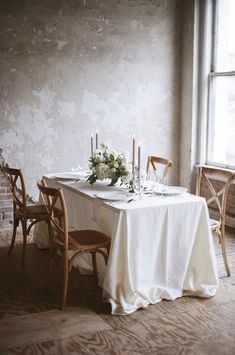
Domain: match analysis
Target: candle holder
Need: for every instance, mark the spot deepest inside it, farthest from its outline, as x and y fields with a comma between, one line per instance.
x=135, y=185
x=132, y=185
x=140, y=184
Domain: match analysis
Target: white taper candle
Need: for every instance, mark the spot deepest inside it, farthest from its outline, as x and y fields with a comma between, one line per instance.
x=96, y=139
x=139, y=163
x=92, y=144
x=133, y=156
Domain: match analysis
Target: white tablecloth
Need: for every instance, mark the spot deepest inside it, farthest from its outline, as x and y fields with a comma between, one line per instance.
x=161, y=247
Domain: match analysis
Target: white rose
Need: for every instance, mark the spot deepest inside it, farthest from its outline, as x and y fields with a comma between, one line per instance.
x=99, y=170
x=121, y=157
x=104, y=147
x=108, y=152
x=112, y=152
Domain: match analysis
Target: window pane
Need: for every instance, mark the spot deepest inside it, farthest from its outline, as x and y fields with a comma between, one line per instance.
x=225, y=44
x=221, y=147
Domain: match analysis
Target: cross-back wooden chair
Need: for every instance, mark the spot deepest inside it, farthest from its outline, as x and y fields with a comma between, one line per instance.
x=63, y=240
x=153, y=162
x=28, y=215
x=206, y=177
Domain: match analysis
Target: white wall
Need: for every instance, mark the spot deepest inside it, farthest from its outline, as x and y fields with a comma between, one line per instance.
x=188, y=131
x=69, y=67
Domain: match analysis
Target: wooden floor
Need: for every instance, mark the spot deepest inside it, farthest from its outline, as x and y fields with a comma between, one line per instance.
x=31, y=323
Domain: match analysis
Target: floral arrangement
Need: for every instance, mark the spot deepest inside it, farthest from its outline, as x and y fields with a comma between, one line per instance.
x=106, y=163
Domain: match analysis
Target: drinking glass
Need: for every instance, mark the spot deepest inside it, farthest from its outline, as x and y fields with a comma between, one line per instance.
x=152, y=176
x=163, y=181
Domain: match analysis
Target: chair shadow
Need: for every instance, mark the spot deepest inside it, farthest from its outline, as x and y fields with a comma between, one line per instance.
x=26, y=290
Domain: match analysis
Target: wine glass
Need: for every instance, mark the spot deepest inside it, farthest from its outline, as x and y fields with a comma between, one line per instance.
x=163, y=181
x=152, y=180
x=152, y=176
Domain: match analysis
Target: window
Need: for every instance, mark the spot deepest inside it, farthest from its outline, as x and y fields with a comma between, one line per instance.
x=221, y=113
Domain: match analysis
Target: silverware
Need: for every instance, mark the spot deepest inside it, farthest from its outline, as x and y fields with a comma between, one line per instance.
x=113, y=203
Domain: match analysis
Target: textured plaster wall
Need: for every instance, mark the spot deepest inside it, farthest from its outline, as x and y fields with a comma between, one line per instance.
x=188, y=129
x=71, y=66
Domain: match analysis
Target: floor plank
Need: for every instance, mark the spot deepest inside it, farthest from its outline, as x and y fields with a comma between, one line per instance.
x=31, y=323
x=46, y=326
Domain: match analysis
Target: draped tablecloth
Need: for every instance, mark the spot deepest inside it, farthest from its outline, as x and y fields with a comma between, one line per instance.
x=161, y=247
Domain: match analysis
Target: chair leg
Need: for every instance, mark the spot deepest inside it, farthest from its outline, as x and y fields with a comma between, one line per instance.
x=94, y=264
x=108, y=250
x=24, y=230
x=222, y=242
x=65, y=285
x=52, y=254
x=15, y=225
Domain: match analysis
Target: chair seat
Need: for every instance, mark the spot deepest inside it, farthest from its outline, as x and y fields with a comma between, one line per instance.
x=88, y=239
x=216, y=195
x=26, y=215
x=214, y=224
x=38, y=211
x=80, y=241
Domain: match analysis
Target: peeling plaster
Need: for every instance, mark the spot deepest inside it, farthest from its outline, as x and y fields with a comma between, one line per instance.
x=77, y=66
x=67, y=109
x=60, y=44
x=36, y=125
x=136, y=24
x=46, y=97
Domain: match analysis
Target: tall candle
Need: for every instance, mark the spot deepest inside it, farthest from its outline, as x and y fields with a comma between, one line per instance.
x=139, y=162
x=92, y=145
x=133, y=156
x=96, y=139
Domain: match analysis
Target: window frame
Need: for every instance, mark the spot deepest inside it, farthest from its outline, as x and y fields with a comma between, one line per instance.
x=211, y=75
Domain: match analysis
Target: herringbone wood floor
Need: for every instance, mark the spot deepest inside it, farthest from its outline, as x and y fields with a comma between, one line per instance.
x=30, y=322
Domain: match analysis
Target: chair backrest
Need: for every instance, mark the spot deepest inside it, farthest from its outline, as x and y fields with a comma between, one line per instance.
x=153, y=161
x=53, y=199
x=16, y=183
x=216, y=181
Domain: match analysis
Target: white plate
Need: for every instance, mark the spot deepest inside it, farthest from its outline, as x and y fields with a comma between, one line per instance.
x=66, y=176
x=170, y=190
x=112, y=196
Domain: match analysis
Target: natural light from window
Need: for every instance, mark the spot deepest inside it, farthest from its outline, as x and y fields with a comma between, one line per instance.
x=221, y=148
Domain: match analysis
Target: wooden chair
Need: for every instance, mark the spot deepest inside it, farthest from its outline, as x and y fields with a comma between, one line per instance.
x=63, y=240
x=28, y=215
x=209, y=177
x=153, y=161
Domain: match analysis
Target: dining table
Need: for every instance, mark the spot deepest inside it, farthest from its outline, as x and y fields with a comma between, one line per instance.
x=161, y=242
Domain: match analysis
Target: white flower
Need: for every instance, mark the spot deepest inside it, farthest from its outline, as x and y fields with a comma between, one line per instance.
x=99, y=158
x=121, y=157
x=115, y=154
x=107, y=163
x=103, y=147
x=101, y=171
